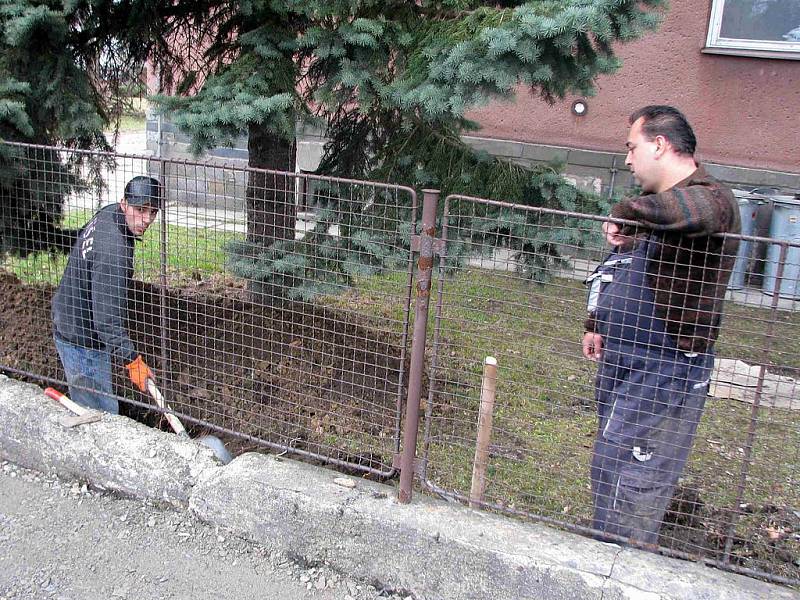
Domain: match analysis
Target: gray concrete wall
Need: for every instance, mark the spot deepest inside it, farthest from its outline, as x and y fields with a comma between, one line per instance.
x=427, y=549
x=216, y=178
x=594, y=170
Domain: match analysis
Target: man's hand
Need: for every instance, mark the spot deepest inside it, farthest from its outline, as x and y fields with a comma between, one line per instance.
x=592, y=345
x=613, y=235
x=139, y=373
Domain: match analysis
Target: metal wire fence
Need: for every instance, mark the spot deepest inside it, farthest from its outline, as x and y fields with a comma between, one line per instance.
x=275, y=310
x=273, y=348
x=519, y=437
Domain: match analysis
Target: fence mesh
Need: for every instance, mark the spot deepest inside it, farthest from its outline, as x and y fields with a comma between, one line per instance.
x=299, y=347
x=515, y=289
x=274, y=309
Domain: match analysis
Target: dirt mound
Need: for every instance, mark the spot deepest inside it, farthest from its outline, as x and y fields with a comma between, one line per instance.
x=295, y=376
x=26, y=335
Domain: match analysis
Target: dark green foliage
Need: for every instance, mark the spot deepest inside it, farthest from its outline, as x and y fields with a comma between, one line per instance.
x=33, y=184
x=392, y=82
x=408, y=123
x=372, y=232
x=52, y=91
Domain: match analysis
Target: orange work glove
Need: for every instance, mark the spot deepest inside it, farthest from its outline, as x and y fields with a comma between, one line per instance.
x=139, y=373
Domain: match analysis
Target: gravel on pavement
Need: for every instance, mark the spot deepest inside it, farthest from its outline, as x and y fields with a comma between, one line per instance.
x=65, y=540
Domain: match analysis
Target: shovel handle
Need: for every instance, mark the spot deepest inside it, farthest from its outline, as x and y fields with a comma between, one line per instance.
x=66, y=402
x=173, y=421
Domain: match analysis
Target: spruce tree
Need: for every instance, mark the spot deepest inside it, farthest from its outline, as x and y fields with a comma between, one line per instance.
x=244, y=81
x=392, y=81
x=58, y=80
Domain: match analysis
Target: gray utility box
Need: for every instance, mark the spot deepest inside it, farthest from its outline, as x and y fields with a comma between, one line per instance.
x=784, y=226
x=748, y=210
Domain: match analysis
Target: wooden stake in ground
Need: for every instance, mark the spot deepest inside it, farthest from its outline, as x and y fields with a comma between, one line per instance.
x=488, y=389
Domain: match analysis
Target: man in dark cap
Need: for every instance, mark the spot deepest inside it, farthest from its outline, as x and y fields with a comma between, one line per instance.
x=90, y=305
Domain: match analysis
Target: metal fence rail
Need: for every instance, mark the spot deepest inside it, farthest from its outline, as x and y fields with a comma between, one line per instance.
x=308, y=344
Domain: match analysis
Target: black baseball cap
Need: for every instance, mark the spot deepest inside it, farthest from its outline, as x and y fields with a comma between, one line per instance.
x=143, y=191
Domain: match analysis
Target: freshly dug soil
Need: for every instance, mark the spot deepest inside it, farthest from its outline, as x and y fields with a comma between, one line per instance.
x=26, y=341
x=296, y=376
x=767, y=538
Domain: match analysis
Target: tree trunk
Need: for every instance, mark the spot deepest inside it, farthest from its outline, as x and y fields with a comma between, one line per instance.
x=271, y=210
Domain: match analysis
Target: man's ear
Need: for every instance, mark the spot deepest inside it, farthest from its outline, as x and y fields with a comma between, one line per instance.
x=662, y=144
x=123, y=204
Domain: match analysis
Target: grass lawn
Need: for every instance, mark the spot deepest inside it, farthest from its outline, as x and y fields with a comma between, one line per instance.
x=45, y=268
x=544, y=417
x=133, y=119
x=130, y=122
x=192, y=254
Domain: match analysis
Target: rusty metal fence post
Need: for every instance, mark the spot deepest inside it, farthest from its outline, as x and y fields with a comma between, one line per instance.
x=424, y=244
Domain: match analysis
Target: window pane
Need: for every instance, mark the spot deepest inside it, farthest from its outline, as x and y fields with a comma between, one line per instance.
x=768, y=20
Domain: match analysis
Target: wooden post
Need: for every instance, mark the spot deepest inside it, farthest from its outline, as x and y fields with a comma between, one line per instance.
x=488, y=389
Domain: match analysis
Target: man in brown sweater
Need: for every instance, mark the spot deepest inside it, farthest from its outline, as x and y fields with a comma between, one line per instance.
x=654, y=313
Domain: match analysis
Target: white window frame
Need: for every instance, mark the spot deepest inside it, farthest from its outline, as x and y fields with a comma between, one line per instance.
x=716, y=44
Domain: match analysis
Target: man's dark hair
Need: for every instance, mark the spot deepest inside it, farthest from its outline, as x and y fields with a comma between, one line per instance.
x=668, y=121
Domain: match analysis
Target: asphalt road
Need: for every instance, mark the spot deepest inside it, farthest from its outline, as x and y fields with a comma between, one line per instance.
x=62, y=540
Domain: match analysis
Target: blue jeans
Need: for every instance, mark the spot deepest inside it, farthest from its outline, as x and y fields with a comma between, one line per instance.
x=88, y=376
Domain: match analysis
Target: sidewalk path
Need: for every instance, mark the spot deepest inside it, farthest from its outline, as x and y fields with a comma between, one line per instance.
x=62, y=540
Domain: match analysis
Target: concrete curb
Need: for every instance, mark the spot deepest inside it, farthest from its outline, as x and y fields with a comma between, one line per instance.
x=430, y=549
x=115, y=453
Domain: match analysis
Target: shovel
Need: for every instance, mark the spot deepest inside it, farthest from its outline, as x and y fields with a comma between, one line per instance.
x=210, y=441
x=213, y=442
